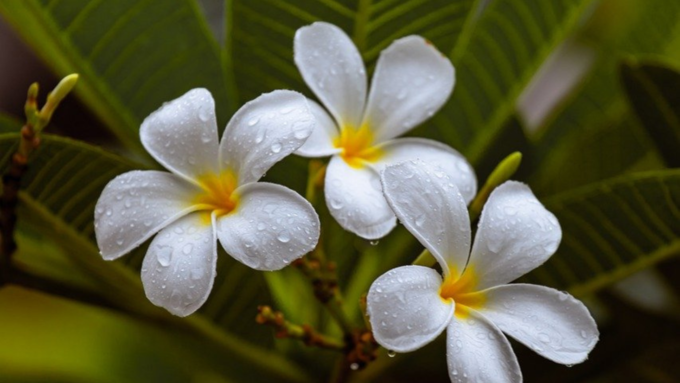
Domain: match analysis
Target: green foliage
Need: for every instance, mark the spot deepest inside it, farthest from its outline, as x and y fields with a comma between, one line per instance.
x=592, y=134
x=654, y=93
x=613, y=229
x=134, y=55
x=58, y=198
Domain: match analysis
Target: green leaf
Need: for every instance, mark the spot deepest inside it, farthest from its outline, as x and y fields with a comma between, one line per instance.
x=613, y=229
x=654, y=93
x=592, y=134
x=59, y=192
x=131, y=55
x=260, y=33
x=507, y=46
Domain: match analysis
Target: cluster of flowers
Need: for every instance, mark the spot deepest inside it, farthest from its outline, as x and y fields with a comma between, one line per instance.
x=212, y=194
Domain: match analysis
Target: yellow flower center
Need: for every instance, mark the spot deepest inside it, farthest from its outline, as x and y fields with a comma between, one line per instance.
x=218, y=193
x=357, y=146
x=462, y=292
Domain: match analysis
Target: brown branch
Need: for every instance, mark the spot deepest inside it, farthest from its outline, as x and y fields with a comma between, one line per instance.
x=305, y=333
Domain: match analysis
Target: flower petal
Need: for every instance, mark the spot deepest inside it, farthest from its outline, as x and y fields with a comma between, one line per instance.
x=412, y=81
x=179, y=267
x=263, y=132
x=320, y=142
x=333, y=69
x=355, y=199
x=516, y=234
x=456, y=167
x=552, y=323
x=405, y=308
x=429, y=205
x=477, y=351
x=136, y=205
x=182, y=134
x=271, y=227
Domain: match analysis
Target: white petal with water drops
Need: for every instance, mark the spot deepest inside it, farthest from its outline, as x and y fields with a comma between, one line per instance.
x=355, y=199
x=405, y=308
x=412, y=81
x=263, y=132
x=434, y=153
x=550, y=322
x=271, y=227
x=516, y=234
x=476, y=351
x=429, y=205
x=179, y=267
x=332, y=67
x=136, y=205
x=182, y=134
x=321, y=142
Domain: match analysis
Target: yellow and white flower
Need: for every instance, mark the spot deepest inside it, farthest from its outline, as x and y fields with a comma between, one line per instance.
x=411, y=305
x=211, y=193
x=412, y=81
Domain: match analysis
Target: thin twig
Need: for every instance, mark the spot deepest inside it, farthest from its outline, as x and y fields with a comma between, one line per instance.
x=305, y=333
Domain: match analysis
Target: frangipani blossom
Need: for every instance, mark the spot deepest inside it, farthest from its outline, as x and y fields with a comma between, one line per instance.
x=412, y=81
x=211, y=193
x=411, y=305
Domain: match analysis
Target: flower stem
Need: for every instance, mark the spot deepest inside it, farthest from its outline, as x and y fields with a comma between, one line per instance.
x=305, y=333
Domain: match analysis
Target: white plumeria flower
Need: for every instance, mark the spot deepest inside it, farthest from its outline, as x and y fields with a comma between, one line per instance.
x=412, y=81
x=411, y=305
x=210, y=193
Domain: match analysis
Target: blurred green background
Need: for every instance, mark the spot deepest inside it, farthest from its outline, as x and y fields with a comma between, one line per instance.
x=588, y=90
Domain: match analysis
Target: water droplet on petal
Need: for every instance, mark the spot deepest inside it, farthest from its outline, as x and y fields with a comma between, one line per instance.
x=253, y=121
x=276, y=147
x=391, y=353
x=204, y=113
x=284, y=236
x=164, y=255
x=187, y=248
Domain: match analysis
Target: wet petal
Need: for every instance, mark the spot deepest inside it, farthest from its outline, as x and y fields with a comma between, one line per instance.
x=456, y=167
x=476, y=351
x=333, y=69
x=354, y=198
x=320, y=142
x=271, y=227
x=179, y=267
x=182, y=134
x=263, y=132
x=405, y=308
x=429, y=205
x=136, y=205
x=550, y=322
x=516, y=234
x=412, y=81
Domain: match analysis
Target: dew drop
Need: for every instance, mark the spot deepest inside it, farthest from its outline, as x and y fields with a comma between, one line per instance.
x=187, y=248
x=276, y=147
x=336, y=204
x=391, y=353
x=543, y=337
x=420, y=220
x=164, y=255
x=253, y=121
x=108, y=212
x=374, y=243
x=284, y=236
x=261, y=226
x=204, y=113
